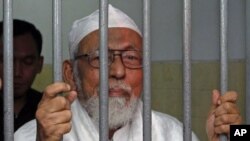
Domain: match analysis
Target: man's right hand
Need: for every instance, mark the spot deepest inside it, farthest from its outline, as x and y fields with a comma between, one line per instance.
x=53, y=113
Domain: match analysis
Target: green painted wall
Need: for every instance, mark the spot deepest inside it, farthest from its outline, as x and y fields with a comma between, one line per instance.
x=167, y=88
x=44, y=78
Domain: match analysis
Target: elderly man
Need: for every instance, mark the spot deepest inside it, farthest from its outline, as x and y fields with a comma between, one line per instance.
x=76, y=119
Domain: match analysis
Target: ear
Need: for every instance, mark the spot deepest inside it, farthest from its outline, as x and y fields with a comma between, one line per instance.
x=40, y=64
x=68, y=75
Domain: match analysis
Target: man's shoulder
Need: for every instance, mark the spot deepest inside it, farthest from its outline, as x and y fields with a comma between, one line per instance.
x=167, y=124
x=27, y=132
x=165, y=118
x=170, y=125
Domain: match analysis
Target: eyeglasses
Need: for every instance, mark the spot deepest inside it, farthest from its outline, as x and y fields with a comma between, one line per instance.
x=131, y=59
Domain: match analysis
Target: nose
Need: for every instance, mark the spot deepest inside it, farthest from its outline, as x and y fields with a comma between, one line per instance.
x=117, y=69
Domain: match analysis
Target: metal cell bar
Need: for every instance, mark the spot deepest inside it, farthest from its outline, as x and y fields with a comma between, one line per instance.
x=103, y=106
x=146, y=72
x=187, y=71
x=57, y=44
x=8, y=71
x=57, y=41
x=247, y=62
x=223, y=52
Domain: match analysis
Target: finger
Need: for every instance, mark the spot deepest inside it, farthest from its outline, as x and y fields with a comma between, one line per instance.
x=71, y=96
x=55, y=133
x=226, y=108
x=230, y=96
x=48, y=108
x=54, y=89
x=59, y=103
x=59, y=117
x=228, y=119
x=54, y=119
x=215, y=97
x=222, y=129
x=63, y=129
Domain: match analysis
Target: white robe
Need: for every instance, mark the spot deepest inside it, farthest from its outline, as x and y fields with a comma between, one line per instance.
x=164, y=128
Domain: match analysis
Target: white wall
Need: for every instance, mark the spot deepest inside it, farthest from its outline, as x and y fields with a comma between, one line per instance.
x=166, y=24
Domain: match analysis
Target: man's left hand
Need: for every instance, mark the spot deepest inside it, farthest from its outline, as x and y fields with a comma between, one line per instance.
x=223, y=113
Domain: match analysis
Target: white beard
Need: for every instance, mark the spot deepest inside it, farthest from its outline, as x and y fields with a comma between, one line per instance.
x=120, y=111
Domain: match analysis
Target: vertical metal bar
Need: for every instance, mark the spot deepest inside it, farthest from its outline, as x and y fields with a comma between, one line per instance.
x=57, y=41
x=247, y=62
x=187, y=71
x=8, y=71
x=57, y=51
x=223, y=44
x=103, y=106
x=146, y=72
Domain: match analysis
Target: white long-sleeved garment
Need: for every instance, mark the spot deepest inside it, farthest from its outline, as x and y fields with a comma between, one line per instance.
x=164, y=128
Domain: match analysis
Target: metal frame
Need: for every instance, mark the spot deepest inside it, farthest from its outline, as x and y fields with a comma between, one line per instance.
x=57, y=42
x=103, y=106
x=146, y=72
x=187, y=129
x=223, y=53
x=8, y=71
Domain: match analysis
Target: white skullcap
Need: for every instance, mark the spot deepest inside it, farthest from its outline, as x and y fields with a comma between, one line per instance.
x=86, y=25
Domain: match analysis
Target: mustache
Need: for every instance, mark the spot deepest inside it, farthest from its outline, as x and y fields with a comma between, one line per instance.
x=119, y=85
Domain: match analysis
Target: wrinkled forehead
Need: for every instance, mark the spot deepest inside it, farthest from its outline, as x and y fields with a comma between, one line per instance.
x=118, y=38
